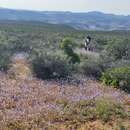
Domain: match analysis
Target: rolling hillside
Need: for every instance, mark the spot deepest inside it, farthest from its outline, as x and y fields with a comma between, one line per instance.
x=88, y=21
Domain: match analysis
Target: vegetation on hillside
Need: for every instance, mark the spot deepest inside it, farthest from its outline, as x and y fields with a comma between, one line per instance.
x=48, y=80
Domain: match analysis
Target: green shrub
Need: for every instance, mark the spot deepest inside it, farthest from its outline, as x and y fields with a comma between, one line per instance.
x=50, y=67
x=88, y=110
x=4, y=61
x=119, y=49
x=67, y=45
x=104, y=109
x=91, y=68
x=75, y=58
x=117, y=77
x=107, y=109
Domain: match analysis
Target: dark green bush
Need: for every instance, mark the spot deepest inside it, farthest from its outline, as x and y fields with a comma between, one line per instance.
x=75, y=58
x=5, y=56
x=91, y=68
x=67, y=45
x=118, y=77
x=4, y=62
x=50, y=67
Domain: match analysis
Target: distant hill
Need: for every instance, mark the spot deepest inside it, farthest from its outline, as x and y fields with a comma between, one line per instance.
x=33, y=26
x=87, y=21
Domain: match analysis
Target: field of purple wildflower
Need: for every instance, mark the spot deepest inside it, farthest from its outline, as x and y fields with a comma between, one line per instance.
x=27, y=103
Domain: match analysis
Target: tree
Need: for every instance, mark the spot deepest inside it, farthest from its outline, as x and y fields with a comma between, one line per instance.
x=67, y=45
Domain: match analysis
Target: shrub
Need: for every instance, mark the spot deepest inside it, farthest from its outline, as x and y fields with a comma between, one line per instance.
x=103, y=109
x=107, y=109
x=4, y=61
x=91, y=68
x=118, y=77
x=67, y=45
x=75, y=58
x=50, y=67
x=119, y=49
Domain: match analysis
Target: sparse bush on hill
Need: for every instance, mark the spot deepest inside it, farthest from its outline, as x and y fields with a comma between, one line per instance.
x=50, y=67
x=91, y=68
x=4, y=58
x=106, y=108
x=118, y=77
x=4, y=62
x=67, y=45
x=119, y=49
x=103, y=109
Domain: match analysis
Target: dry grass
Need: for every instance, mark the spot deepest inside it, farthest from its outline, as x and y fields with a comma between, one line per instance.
x=20, y=67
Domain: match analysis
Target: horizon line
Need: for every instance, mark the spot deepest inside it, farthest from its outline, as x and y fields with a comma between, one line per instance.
x=35, y=10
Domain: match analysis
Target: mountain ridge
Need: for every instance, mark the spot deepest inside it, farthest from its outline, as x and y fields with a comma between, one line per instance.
x=79, y=20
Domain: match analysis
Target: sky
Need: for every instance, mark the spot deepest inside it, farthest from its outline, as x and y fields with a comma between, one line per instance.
x=106, y=6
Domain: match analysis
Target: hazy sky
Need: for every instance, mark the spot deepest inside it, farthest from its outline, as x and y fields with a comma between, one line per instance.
x=108, y=6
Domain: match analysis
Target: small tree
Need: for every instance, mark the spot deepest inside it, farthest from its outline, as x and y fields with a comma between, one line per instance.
x=67, y=45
